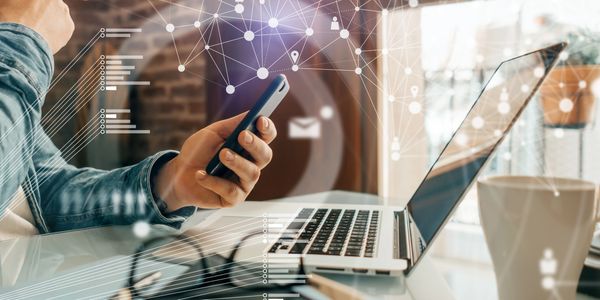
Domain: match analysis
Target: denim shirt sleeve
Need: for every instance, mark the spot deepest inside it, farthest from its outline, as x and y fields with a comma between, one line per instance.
x=61, y=196
x=26, y=68
x=84, y=197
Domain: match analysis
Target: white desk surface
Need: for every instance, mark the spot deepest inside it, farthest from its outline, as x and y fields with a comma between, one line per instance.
x=93, y=263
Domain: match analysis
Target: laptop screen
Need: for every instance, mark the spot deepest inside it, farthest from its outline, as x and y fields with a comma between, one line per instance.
x=491, y=117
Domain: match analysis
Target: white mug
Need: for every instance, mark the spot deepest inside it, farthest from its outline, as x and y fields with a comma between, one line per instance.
x=538, y=231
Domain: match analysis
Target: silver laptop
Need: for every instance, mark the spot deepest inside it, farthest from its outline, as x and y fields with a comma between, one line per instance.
x=384, y=240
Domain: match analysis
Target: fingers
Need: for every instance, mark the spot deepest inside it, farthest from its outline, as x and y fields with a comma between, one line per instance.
x=247, y=171
x=225, y=127
x=259, y=150
x=266, y=129
x=226, y=193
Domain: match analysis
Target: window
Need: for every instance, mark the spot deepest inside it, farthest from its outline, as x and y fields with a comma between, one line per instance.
x=436, y=60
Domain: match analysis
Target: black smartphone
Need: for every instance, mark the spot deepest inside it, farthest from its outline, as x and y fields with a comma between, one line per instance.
x=264, y=107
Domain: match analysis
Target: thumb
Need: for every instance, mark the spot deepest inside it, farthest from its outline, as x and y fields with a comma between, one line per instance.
x=225, y=127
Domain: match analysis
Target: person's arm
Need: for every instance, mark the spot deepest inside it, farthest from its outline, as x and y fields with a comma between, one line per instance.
x=163, y=189
x=25, y=72
x=74, y=198
x=30, y=32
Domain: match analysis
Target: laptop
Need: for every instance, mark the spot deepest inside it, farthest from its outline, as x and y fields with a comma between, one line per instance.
x=390, y=241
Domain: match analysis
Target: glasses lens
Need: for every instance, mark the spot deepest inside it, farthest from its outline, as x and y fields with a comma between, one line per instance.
x=161, y=263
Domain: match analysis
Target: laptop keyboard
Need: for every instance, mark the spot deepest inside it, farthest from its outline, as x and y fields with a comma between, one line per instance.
x=338, y=232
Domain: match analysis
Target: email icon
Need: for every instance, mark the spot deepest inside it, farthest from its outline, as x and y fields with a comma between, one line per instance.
x=304, y=128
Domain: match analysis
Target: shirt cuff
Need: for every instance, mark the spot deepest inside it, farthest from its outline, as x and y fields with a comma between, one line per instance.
x=173, y=219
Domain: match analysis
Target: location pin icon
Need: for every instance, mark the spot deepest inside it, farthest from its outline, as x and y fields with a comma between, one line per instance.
x=295, y=54
x=414, y=90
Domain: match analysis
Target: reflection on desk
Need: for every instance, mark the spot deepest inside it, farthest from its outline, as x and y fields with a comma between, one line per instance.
x=94, y=263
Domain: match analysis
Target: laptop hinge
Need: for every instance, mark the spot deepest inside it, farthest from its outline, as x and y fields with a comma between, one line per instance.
x=402, y=238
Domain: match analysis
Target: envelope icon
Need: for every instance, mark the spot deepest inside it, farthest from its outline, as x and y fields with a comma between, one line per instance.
x=304, y=128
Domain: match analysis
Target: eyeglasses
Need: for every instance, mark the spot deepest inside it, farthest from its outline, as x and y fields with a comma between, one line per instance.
x=247, y=269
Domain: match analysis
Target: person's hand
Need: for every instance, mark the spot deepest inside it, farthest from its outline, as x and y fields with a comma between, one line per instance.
x=49, y=18
x=184, y=182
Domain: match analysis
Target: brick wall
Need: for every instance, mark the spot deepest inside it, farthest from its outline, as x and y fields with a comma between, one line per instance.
x=172, y=107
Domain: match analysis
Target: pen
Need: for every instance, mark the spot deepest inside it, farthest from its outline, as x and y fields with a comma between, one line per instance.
x=146, y=281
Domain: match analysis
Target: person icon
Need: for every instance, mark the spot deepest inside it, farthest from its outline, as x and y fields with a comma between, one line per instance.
x=335, y=25
x=395, y=153
x=548, y=263
x=548, y=267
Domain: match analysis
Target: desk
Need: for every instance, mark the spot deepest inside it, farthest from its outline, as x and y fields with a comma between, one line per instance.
x=94, y=263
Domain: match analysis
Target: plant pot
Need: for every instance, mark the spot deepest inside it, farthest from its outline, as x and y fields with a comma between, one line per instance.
x=567, y=96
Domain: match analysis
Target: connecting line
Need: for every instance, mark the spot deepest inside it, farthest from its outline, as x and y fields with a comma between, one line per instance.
x=16, y=151
x=82, y=275
x=59, y=77
x=58, y=163
x=30, y=135
x=52, y=111
x=58, y=113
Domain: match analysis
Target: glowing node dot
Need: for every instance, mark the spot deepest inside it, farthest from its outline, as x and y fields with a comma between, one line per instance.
x=525, y=88
x=141, y=229
x=563, y=55
x=358, y=71
x=391, y=98
x=503, y=108
x=414, y=107
x=565, y=105
x=249, y=35
x=408, y=70
x=561, y=84
x=559, y=133
x=582, y=84
x=197, y=24
x=170, y=27
x=344, y=33
x=230, y=89
x=357, y=8
x=295, y=68
x=215, y=15
x=273, y=22
x=239, y=8
x=309, y=31
x=538, y=72
x=507, y=156
x=385, y=12
x=206, y=47
x=395, y=156
x=385, y=51
x=556, y=193
x=497, y=132
x=477, y=122
x=326, y=112
x=358, y=51
x=262, y=73
x=181, y=68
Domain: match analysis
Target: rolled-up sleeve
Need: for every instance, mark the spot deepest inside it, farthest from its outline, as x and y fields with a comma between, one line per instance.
x=74, y=198
x=62, y=196
x=26, y=68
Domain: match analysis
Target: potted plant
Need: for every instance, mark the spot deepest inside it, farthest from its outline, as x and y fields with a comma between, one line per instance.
x=567, y=95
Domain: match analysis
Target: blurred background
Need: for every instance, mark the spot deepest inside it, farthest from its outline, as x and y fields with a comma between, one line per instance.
x=378, y=87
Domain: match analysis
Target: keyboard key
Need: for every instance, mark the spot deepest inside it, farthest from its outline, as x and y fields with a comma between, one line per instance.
x=298, y=248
